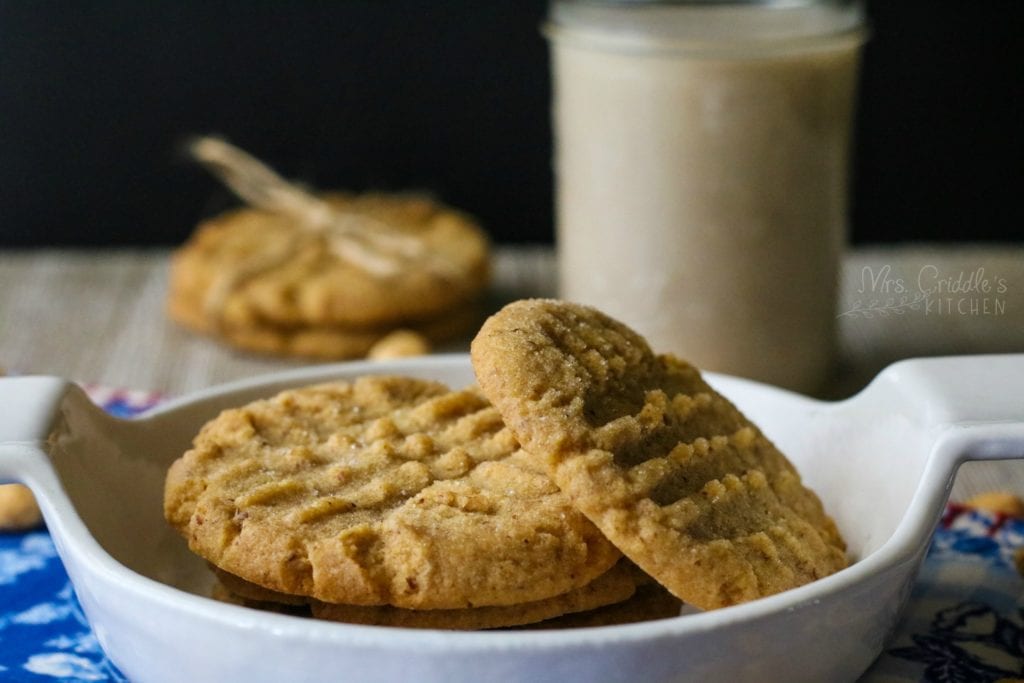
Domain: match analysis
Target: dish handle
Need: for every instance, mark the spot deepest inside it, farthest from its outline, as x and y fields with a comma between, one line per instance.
x=29, y=409
x=975, y=403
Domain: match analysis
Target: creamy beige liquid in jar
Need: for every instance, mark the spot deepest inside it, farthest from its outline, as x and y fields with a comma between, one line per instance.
x=701, y=160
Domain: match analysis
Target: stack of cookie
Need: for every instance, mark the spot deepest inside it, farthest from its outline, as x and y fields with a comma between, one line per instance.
x=398, y=501
x=325, y=276
x=388, y=500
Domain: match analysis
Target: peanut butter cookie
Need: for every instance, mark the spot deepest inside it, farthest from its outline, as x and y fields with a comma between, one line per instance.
x=323, y=275
x=648, y=603
x=672, y=473
x=382, y=491
x=256, y=268
x=614, y=586
x=324, y=342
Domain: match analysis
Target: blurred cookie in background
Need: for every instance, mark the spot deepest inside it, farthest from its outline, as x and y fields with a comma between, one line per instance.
x=324, y=276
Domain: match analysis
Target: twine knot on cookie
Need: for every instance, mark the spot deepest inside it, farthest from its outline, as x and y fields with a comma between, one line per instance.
x=365, y=242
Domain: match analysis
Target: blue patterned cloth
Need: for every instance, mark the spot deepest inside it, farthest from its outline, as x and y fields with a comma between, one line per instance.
x=965, y=619
x=43, y=633
x=964, y=623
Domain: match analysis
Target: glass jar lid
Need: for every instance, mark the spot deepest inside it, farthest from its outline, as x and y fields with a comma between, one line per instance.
x=767, y=3
x=705, y=26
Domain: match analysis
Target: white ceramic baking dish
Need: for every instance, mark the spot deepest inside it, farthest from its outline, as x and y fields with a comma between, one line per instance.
x=882, y=461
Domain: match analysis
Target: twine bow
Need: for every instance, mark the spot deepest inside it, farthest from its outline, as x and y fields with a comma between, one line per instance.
x=358, y=239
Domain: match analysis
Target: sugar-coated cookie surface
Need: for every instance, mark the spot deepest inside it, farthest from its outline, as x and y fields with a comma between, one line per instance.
x=382, y=491
x=672, y=473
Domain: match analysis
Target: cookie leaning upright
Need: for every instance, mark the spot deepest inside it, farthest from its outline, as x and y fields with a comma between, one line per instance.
x=672, y=473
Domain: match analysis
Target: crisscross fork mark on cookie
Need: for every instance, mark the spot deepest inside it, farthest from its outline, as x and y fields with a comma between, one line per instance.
x=673, y=474
x=386, y=490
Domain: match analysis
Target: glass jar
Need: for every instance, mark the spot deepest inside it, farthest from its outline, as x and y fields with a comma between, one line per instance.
x=701, y=159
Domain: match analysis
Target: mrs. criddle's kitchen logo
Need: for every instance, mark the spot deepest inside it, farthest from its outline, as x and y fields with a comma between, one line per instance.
x=880, y=292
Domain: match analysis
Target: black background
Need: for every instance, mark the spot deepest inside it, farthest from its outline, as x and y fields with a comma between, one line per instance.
x=451, y=97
